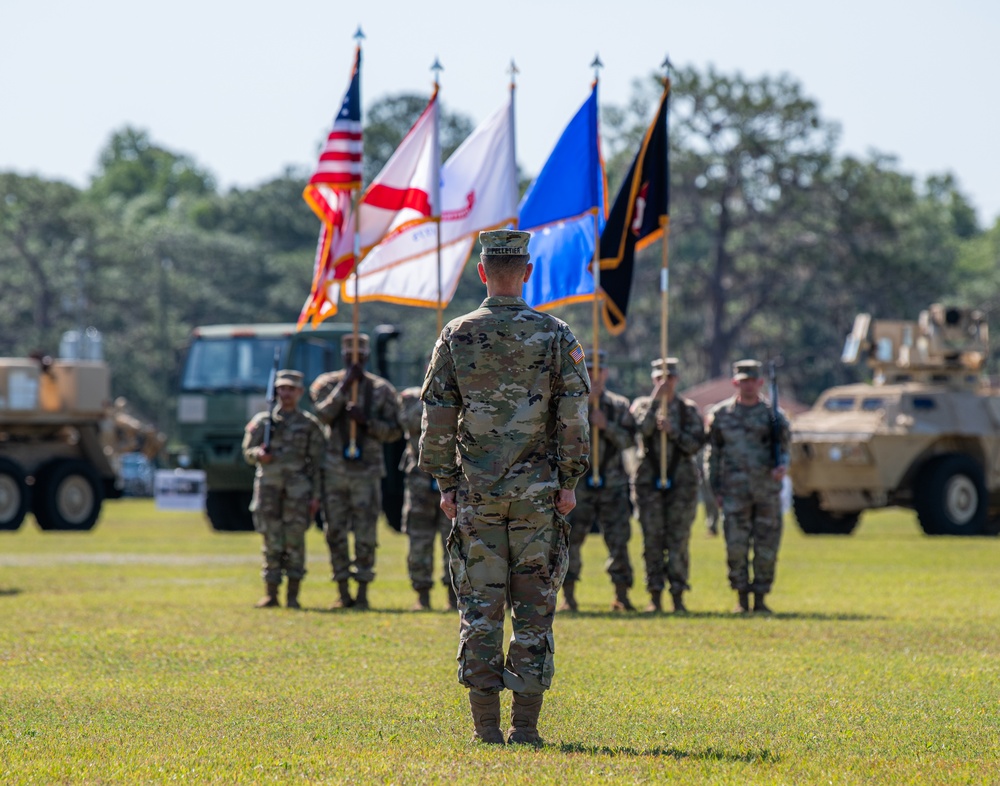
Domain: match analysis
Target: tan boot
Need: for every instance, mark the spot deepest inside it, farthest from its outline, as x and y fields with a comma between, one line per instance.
x=270, y=599
x=345, y=601
x=678, y=601
x=486, y=718
x=423, y=600
x=655, y=602
x=361, y=599
x=292, y=594
x=742, y=602
x=759, y=607
x=524, y=719
x=569, y=597
x=621, y=602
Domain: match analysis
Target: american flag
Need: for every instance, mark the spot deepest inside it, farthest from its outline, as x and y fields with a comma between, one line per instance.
x=339, y=166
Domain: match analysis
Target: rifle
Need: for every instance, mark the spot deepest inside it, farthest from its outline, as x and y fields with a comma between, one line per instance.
x=777, y=455
x=272, y=398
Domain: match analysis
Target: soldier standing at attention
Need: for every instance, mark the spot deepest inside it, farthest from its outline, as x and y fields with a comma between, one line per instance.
x=353, y=472
x=505, y=434
x=423, y=519
x=606, y=499
x=747, y=484
x=286, y=487
x=667, y=511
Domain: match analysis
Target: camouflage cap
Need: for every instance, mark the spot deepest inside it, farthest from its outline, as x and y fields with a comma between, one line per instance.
x=601, y=355
x=746, y=369
x=657, y=366
x=290, y=378
x=347, y=342
x=505, y=242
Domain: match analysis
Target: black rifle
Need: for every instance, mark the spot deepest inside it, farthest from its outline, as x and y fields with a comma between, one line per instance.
x=272, y=397
x=777, y=455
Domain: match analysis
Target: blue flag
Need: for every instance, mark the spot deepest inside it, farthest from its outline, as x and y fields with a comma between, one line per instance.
x=559, y=211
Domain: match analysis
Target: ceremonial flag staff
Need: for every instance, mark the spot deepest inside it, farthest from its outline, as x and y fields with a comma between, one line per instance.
x=352, y=451
x=664, y=482
x=437, y=68
x=596, y=481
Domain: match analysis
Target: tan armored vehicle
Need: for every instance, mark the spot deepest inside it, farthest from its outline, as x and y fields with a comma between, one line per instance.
x=57, y=451
x=925, y=434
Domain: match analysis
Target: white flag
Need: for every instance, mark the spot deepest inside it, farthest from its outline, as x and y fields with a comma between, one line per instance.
x=478, y=191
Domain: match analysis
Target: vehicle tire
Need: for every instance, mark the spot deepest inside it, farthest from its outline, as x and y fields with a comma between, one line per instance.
x=229, y=511
x=813, y=520
x=950, y=496
x=68, y=496
x=14, y=495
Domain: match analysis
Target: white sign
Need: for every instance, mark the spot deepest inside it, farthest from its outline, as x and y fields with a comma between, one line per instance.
x=180, y=489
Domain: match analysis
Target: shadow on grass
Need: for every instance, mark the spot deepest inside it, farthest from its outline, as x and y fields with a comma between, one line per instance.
x=9, y=591
x=721, y=615
x=762, y=756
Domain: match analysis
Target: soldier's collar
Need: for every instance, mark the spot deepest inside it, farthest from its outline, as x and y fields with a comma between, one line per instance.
x=504, y=300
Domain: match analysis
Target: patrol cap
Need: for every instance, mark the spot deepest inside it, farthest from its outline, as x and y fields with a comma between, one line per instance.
x=287, y=376
x=746, y=369
x=347, y=342
x=601, y=355
x=504, y=242
x=657, y=366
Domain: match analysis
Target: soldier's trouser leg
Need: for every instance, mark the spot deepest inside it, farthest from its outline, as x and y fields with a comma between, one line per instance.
x=444, y=530
x=767, y=525
x=681, y=512
x=296, y=524
x=368, y=505
x=737, y=527
x=420, y=557
x=580, y=522
x=614, y=515
x=521, y=542
x=651, y=510
x=266, y=510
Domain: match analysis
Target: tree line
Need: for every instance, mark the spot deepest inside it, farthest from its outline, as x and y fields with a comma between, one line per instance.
x=776, y=242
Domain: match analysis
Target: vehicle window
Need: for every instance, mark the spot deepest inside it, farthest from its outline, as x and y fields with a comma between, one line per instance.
x=315, y=356
x=218, y=364
x=923, y=403
x=872, y=404
x=838, y=404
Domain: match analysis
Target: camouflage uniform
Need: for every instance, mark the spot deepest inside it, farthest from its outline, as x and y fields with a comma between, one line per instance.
x=352, y=497
x=740, y=462
x=283, y=489
x=666, y=516
x=505, y=426
x=423, y=519
x=607, y=504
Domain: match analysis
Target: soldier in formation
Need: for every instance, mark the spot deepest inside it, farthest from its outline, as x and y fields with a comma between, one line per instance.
x=505, y=434
x=361, y=411
x=286, y=488
x=602, y=496
x=745, y=477
x=423, y=520
x=665, y=484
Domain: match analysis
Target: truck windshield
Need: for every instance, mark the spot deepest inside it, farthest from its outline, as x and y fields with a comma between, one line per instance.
x=240, y=362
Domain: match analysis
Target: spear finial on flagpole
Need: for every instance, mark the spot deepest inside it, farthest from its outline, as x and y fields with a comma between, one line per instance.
x=359, y=35
x=437, y=68
x=513, y=71
x=597, y=65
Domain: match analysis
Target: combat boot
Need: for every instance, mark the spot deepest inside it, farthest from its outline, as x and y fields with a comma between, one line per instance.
x=569, y=597
x=486, y=718
x=524, y=719
x=621, y=602
x=678, y=599
x=292, y=594
x=345, y=601
x=423, y=600
x=759, y=607
x=655, y=602
x=270, y=599
x=742, y=602
x=452, y=599
x=361, y=599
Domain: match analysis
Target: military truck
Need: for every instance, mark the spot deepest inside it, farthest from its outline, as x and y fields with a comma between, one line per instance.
x=224, y=384
x=924, y=435
x=57, y=453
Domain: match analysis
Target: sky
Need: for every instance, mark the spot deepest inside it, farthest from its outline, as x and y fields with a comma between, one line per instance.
x=249, y=88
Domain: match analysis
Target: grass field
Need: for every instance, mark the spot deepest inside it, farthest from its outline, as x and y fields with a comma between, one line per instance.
x=133, y=654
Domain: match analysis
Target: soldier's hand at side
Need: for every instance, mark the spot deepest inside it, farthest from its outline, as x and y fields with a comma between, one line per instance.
x=565, y=501
x=313, y=507
x=264, y=456
x=598, y=419
x=448, y=505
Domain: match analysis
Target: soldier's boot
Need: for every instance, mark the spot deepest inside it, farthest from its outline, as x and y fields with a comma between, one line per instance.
x=569, y=597
x=452, y=599
x=678, y=600
x=486, y=718
x=423, y=600
x=742, y=602
x=345, y=601
x=524, y=719
x=655, y=602
x=361, y=599
x=759, y=607
x=292, y=594
x=270, y=599
x=621, y=602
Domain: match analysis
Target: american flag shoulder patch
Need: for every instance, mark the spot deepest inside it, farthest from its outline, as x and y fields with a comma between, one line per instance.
x=576, y=353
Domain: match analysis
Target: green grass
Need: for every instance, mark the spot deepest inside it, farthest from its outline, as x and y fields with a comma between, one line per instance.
x=133, y=654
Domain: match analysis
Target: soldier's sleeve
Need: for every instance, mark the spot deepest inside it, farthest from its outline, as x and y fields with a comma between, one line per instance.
x=384, y=423
x=439, y=423
x=691, y=439
x=253, y=437
x=713, y=454
x=785, y=429
x=571, y=388
x=621, y=426
x=329, y=398
x=316, y=453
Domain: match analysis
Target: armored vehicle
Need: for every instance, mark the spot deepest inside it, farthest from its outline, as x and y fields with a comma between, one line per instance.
x=224, y=384
x=924, y=435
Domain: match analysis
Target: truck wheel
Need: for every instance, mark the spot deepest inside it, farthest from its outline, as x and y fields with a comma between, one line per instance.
x=14, y=495
x=950, y=496
x=813, y=520
x=68, y=496
x=229, y=511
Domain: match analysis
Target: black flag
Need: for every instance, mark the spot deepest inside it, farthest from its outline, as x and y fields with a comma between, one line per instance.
x=638, y=217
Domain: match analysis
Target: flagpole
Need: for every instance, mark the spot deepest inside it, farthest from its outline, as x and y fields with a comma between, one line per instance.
x=437, y=68
x=595, y=433
x=352, y=445
x=665, y=297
